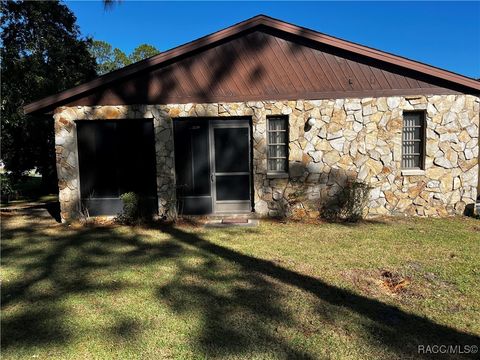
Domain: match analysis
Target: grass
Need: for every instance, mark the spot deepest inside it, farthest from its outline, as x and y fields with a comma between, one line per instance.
x=308, y=291
x=26, y=202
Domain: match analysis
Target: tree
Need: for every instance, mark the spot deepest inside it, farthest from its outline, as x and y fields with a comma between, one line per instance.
x=109, y=59
x=120, y=59
x=103, y=54
x=143, y=51
x=42, y=53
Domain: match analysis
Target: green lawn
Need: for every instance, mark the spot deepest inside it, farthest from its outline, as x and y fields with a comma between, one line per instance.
x=29, y=201
x=280, y=291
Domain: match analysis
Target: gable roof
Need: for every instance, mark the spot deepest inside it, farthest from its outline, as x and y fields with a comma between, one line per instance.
x=264, y=23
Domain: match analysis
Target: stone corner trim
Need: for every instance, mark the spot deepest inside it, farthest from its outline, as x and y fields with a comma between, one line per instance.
x=352, y=139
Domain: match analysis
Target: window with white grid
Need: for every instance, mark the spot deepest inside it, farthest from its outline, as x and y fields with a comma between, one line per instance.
x=413, y=140
x=277, y=133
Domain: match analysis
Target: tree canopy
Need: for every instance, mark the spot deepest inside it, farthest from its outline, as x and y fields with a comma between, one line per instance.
x=143, y=51
x=109, y=58
x=42, y=53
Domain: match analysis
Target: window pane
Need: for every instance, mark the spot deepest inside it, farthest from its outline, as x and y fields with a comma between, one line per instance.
x=407, y=148
x=231, y=149
x=272, y=151
x=233, y=187
x=277, y=151
x=411, y=161
x=281, y=150
x=277, y=137
x=412, y=147
x=417, y=147
x=412, y=119
x=412, y=133
x=277, y=165
x=277, y=123
x=415, y=133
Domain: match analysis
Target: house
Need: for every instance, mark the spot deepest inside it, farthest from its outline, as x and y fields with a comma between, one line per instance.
x=248, y=117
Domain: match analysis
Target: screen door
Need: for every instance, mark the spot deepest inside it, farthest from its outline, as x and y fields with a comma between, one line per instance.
x=230, y=154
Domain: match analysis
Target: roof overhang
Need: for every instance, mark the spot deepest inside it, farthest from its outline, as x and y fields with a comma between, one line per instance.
x=50, y=102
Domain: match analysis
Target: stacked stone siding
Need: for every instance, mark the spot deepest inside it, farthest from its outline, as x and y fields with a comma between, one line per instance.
x=352, y=139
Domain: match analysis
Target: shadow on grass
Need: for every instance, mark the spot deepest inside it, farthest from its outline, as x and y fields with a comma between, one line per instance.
x=238, y=299
x=397, y=330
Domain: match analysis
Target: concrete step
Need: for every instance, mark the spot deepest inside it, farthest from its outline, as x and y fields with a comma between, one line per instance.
x=226, y=223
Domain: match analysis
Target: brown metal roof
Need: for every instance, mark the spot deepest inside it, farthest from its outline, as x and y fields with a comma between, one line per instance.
x=261, y=58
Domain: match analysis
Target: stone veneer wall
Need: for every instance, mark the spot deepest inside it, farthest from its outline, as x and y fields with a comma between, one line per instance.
x=352, y=139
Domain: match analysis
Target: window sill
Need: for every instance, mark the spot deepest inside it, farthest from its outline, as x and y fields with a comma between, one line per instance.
x=277, y=176
x=413, y=172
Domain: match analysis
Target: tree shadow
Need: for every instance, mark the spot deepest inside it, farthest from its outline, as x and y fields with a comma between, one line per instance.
x=53, y=209
x=388, y=326
x=236, y=304
x=53, y=268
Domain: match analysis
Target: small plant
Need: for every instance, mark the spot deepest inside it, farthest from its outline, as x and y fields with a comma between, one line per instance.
x=355, y=199
x=349, y=204
x=135, y=209
x=283, y=209
x=84, y=214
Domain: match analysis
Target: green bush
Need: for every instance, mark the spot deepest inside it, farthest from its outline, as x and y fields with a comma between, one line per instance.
x=135, y=209
x=23, y=187
x=349, y=204
x=8, y=190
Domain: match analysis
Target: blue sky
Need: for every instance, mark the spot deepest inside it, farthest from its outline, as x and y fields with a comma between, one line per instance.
x=444, y=34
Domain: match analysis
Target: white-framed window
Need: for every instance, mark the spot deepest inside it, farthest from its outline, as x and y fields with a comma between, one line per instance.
x=277, y=143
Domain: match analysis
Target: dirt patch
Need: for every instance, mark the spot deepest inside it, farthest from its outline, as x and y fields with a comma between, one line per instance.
x=382, y=282
x=395, y=282
x=408, y=283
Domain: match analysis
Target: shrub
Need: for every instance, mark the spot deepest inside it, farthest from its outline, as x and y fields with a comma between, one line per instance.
x=135, y=209
x=349, y=204
x=295, y=197
x=8, y=190
x=355, y=199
